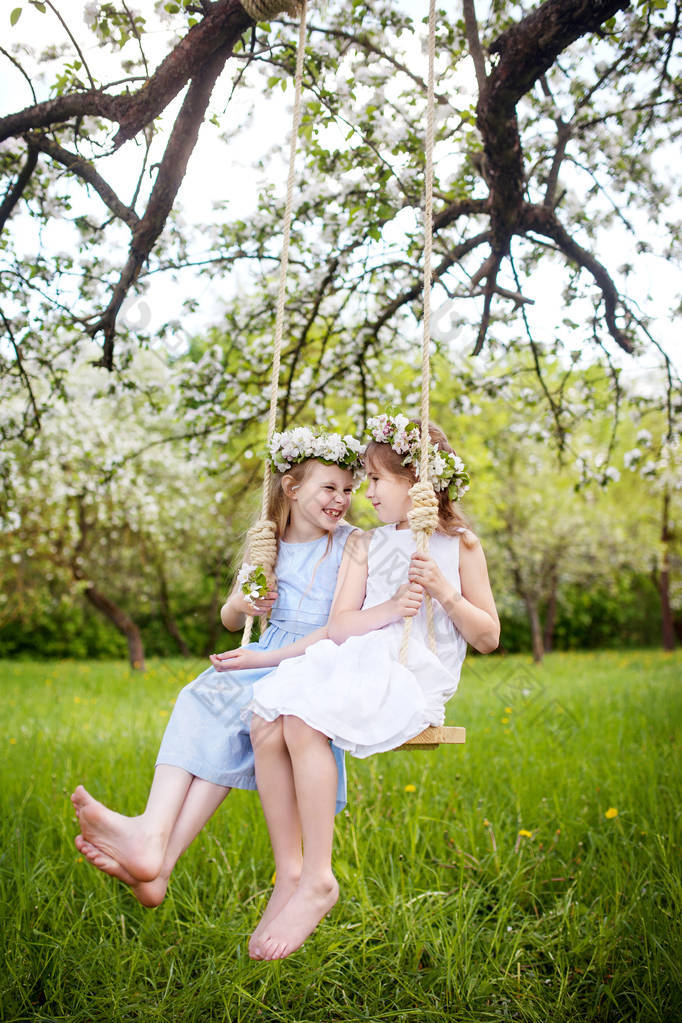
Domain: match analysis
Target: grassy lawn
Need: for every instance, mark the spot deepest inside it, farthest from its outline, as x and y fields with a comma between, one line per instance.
x=494, y=881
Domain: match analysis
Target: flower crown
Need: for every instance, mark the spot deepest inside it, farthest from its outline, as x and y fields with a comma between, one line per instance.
x=446, y=469
x=297, y=445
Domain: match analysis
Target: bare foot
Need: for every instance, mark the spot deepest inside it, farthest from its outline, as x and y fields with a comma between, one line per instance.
x=311, y=901
x=279, y=897
x=126, y=840
x=147, y=893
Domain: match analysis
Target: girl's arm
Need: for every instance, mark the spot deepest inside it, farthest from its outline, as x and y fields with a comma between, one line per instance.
x=346, y=617
x=473, y=612
x=245, y=657
x=237, y=607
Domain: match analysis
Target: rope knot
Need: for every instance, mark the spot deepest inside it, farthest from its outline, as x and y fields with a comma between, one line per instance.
x=423, y=515
x=265, y=10
x=262, y=547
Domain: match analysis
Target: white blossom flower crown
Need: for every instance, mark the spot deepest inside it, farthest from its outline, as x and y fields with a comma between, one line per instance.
x=446, y=469
x=302, y=442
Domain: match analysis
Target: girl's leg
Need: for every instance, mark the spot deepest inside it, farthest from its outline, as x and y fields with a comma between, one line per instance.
x=315, y=780
x=138, y=844
x=278, y=799
x=202, y=800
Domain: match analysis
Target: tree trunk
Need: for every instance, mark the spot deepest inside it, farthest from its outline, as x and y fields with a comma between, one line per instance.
x=550, y=614
x=667, y=620
x=214, y=614
x=169, y=622
x=123, y=622
x=535, y=628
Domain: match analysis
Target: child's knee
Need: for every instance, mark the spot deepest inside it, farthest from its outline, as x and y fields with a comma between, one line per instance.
x=298, y=733
x=266, y=734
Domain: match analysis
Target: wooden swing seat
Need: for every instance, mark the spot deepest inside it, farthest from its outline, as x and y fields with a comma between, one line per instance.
x=434, y=735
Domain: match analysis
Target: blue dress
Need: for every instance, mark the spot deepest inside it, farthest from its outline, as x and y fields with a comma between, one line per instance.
x=206, y=735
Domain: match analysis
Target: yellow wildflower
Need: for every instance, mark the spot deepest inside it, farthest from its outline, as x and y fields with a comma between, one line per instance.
x=410, y=788
x=611, y=813
x=526, y=833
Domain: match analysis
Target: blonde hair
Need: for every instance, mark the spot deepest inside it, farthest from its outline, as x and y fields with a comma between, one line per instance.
x=450, y=519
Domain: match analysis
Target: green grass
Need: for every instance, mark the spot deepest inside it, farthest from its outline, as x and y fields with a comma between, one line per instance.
x=448, y=911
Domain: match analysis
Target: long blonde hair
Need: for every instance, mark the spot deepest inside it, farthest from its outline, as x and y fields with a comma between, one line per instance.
x=450, y=519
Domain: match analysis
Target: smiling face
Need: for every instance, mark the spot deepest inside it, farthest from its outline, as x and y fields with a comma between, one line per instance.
x=319, y=501
x=388, y=493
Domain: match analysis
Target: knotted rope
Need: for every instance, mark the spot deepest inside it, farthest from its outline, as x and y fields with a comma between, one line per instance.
x=262, y=537
x=423, y=516
x=265, y=10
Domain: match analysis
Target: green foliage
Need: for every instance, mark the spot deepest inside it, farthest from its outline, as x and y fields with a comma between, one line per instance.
x=478, y=884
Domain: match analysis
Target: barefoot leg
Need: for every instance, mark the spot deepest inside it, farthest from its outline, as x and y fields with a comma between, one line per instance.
x=315, y=780
x=147, y=893
x=202, y=800
x=137, y=844
x=277, y=795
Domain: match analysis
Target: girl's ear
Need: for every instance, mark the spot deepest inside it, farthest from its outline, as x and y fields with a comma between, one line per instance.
x=289, y=487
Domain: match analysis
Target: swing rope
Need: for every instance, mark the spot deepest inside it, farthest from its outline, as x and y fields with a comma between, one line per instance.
x=262, y=537
x=423, y=516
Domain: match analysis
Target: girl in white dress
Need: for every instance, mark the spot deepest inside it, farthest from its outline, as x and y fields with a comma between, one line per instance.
x=359, y=694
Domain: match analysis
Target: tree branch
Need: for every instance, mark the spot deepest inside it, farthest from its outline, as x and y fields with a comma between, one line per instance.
x=324, y=284
x=474, y=42
x=14, y=194
x=544, y=221
x=491, y=279
x=22, y=372
x=171, y=171
x=86, y=172
x=219, y=30
x=55, y=111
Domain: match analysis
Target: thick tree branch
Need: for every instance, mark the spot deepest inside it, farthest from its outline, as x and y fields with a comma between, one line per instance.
x=220, y=29
x=171, y=171
x=530, y=47
x=526, y=50
x=56, y=111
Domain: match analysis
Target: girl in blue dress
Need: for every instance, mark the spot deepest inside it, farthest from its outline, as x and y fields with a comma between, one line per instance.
x=206, y=749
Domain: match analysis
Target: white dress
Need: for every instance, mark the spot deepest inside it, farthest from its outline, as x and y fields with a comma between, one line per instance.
x=358, y=693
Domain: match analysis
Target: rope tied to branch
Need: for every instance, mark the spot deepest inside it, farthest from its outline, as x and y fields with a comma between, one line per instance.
x=423, y=516
x=262, y=537
x=265, y=10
